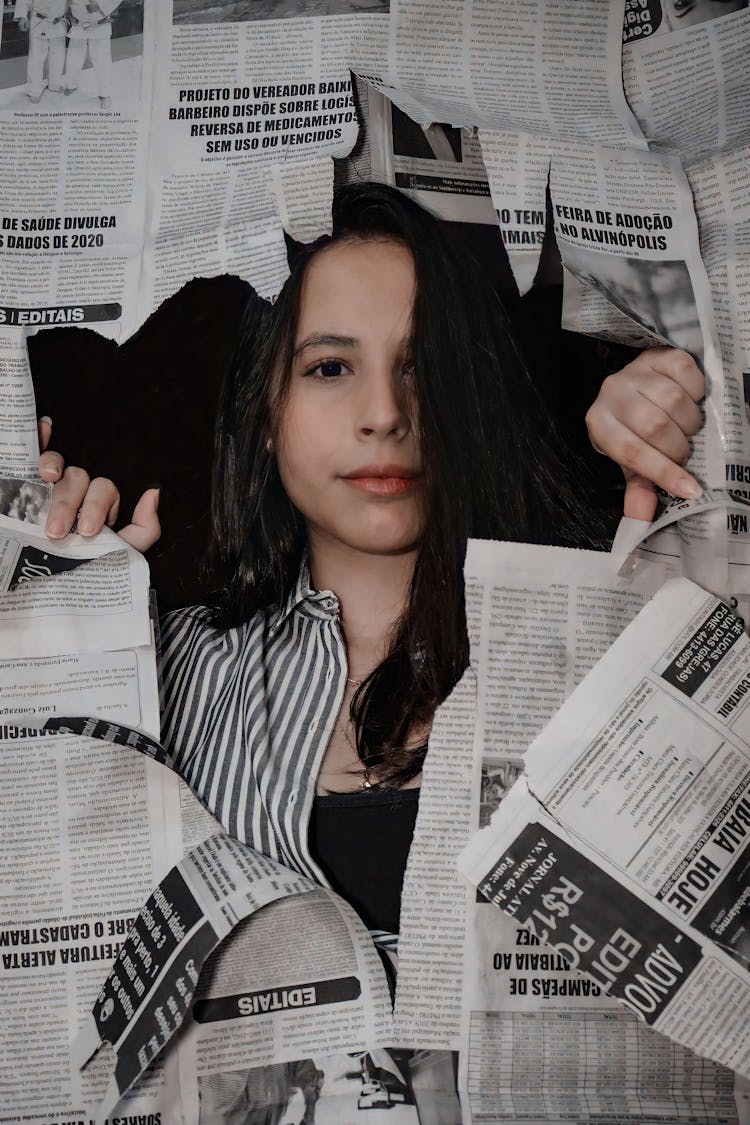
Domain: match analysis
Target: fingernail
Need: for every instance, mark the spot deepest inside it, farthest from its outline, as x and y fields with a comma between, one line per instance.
x=46, y=418
x=156, y=485
x=688, y=488
x=51, y=472
x=86, y=526
x=55, y=529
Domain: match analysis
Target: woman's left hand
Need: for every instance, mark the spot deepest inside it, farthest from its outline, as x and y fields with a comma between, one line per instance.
x=643, y=418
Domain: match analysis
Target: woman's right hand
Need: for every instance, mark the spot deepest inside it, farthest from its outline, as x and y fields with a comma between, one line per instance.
x=94, y=502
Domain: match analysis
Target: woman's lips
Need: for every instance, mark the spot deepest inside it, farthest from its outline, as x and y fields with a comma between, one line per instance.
x=382, y=486
x=382, y=480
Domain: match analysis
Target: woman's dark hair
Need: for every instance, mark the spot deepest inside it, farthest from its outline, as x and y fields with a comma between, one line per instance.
x=488, y=462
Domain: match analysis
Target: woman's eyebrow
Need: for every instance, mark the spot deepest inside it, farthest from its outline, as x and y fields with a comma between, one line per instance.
x=317, y=340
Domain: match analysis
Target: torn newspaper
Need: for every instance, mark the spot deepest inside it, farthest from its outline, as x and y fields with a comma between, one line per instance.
x=536, y=1040
x=624, y=849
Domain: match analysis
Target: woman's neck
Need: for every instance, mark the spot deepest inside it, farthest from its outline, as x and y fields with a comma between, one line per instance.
x=372, y=592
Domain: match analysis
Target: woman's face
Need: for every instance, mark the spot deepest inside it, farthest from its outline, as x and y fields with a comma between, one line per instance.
x=346, y=444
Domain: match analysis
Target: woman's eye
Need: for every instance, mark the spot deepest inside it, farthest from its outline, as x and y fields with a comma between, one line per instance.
x=328, y=368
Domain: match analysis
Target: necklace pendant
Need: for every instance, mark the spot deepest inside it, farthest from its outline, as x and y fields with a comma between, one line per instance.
x=366, y=783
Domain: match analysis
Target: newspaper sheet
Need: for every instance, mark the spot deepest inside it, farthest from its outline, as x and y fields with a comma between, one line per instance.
x=75, y=141
x=296, y=996
x=295, y=983
x=654, y=742
x=87, y=824
x=64, y=597
x=267, y=996
x=544, y=66
x=634, y=272
x=677, y=56
x=537, y=1041
x=688, y=54
x=719, y=186
x=247, y=114
x=88, y=828
x=518, y=171
x=439, y=165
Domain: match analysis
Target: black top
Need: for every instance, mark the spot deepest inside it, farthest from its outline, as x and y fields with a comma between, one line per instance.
x=361, y=841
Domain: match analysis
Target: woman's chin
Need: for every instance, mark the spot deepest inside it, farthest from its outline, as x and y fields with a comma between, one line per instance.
x=379, y=537
x=384, y=546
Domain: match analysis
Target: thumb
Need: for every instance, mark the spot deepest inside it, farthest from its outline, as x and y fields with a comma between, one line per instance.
x=144, y=529
x=640, y=497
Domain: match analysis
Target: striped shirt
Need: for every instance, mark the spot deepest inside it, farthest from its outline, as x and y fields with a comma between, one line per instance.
x=247, y=714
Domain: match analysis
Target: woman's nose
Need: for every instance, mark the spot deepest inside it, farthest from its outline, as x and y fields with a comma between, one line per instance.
x=382, y=410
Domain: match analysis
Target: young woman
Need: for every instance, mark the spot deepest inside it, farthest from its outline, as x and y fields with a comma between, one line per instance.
x=377, y=415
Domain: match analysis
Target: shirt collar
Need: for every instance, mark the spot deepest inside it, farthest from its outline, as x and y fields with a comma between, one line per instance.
x=302, y=597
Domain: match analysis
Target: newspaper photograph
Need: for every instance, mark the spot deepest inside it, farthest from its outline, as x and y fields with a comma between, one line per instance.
x=466, y=175
x=24, y=500
x=408, y=1086
x=64, y=36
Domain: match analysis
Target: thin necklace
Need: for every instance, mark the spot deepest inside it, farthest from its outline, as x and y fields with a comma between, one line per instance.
x=365, y=783
x=355, y=683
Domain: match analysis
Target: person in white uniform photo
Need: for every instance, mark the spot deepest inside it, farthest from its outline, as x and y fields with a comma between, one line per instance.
x=91, y=33
x=46, y=23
